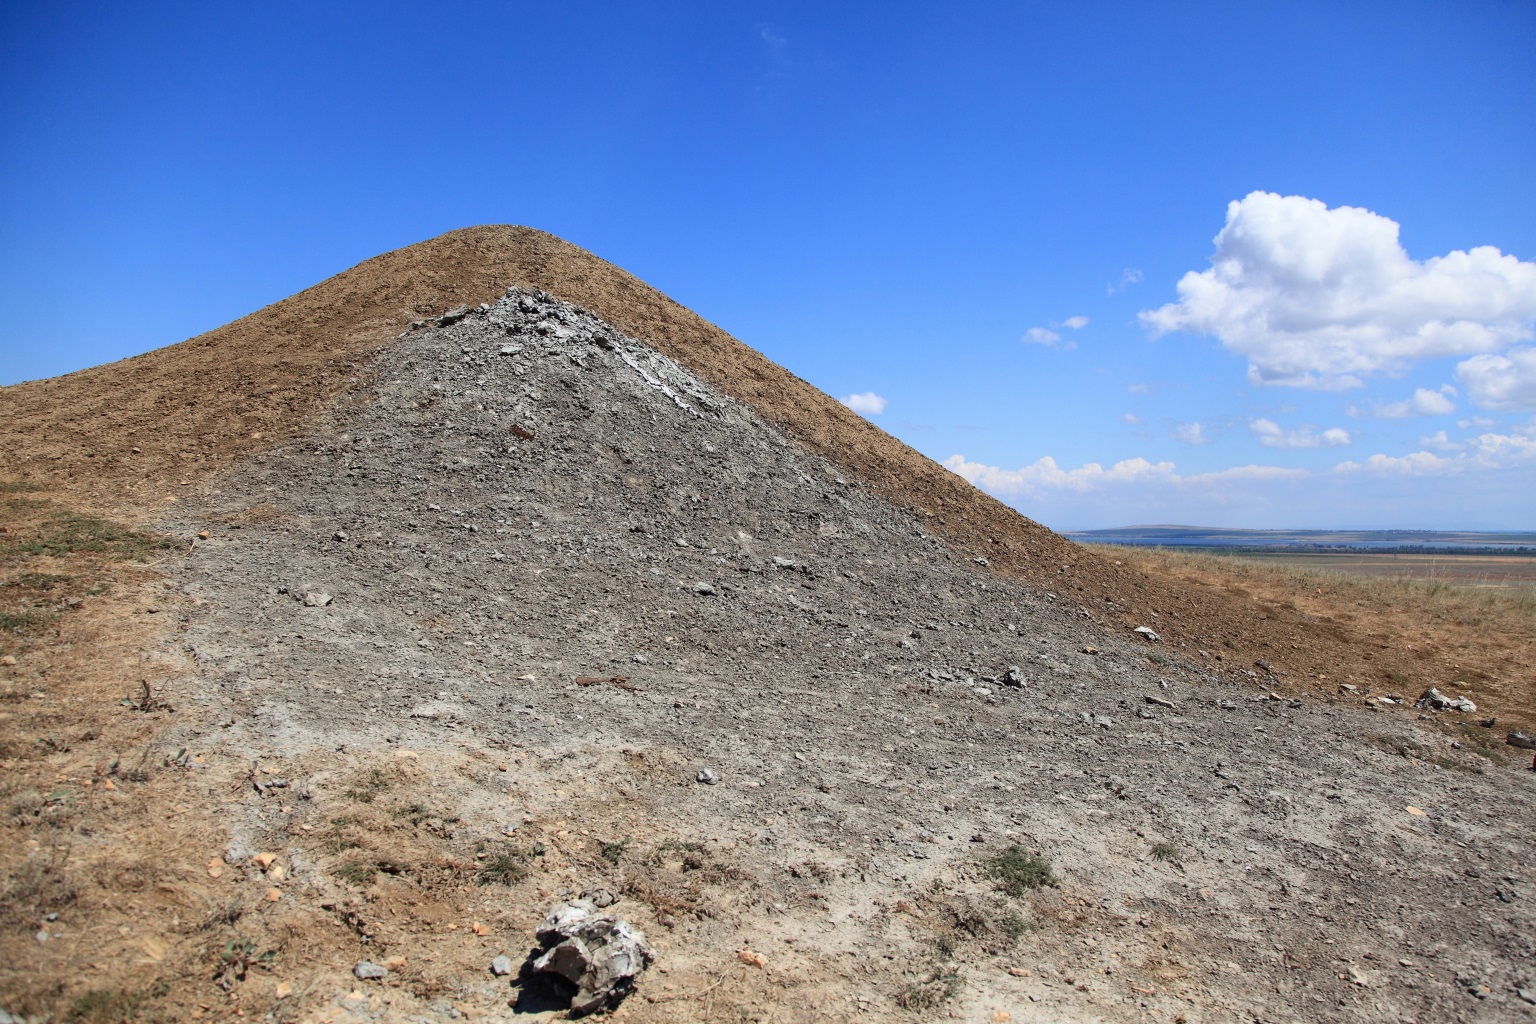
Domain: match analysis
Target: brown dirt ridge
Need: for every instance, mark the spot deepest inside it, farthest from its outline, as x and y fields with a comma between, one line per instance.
x=135, y=432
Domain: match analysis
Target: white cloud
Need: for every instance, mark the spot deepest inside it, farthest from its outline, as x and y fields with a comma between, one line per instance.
x=1128, y=277
x=1440, y=442
x=1044, y=475
x=1501, y=382
x=1318, y=297
x=1190, y=433
x=1503, y=449
x=1423, y=403
x=1139, y=389
x=866, y=404
x=1041, y=336
x=1272, y=435
x=1484, y=452
x=1481, y=422
x=1415, y=464
x=1075, y=323
x=1131, y=418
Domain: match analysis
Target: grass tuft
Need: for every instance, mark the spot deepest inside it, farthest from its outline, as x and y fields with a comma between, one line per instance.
x=1020, y=871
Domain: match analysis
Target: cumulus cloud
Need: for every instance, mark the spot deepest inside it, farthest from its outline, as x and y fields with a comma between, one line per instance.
x=1190, y=433
x=1044, y=475
x=1075, y=323
x=1414, y=464
x=866, y=404
x=1488, y=451
x=1041, y=336
x=1272, y=435
x=1052, y=339
x=1131, y=418
x=1423, y=403
x=1440, y=442
x=1505, y=381
x=1322, y=298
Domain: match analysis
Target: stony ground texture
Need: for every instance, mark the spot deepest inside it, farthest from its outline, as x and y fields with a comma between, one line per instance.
x=518, y=596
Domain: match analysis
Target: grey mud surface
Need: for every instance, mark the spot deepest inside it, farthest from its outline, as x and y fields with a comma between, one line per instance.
x=525, y=497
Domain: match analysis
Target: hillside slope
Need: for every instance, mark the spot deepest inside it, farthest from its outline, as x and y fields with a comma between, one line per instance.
x=136, y=433
x=514, y=606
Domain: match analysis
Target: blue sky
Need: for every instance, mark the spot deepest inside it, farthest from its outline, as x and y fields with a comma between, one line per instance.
x=1000, y=219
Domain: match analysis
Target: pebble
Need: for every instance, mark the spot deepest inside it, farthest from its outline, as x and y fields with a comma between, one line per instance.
x=1013, y=677
x=707, y=777
x=704, y=588
x=1147, y=633
x=316, y=599
x=366, y=971
x=501, y=966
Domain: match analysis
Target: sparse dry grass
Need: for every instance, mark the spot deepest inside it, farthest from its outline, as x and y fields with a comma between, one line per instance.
x=1440, y=598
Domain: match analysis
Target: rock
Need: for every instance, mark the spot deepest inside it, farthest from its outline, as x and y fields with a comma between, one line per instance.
x=366, y=971
x=1013, y=677
x=453, y=316
x=1520, y=739
x=316, y=599
x=339, y=535
x=600, y=897
x=707, y=777
x=752, y=958
x=511, y=350
x=703, y=589
x=501, y=966
x=1147, y=633
x=1433, y=698
x=1487, y=723
x=1527, y=994
x=600, y=954
x=1160, y=702
x=1103, y=721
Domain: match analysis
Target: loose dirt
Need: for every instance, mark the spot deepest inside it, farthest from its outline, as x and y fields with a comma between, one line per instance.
x=458, y=644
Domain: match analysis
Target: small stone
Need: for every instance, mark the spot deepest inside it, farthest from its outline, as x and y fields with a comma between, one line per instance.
x=202, y=534
x=339, y=535
x=9, y=659
x=752, y=958
x=366, y=971
x=1527, y=994
x=1014, y=676
x=511, y=350
x=1147, y=633
x=1433, y=698
x=1160, y=702
x=1520, y=739
x=501, y=966
x=42, y=935
x=453, y=316
x=703, y=589
x=1103, y=721
x=707, y=777
x=316, y=599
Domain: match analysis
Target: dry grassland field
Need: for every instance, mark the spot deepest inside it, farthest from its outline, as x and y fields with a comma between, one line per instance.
x=341, y=644
x=1482, y=571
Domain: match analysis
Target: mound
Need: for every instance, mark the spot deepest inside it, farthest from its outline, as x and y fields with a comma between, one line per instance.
x=137, y=432
x=522, y=605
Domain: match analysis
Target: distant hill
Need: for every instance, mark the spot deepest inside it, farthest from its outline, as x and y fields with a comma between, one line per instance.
x=1466, y=541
